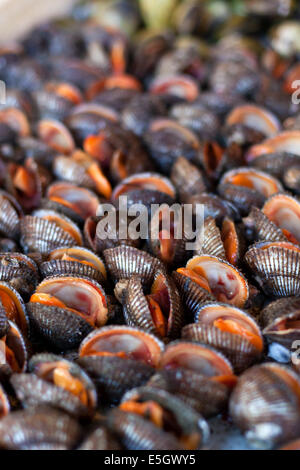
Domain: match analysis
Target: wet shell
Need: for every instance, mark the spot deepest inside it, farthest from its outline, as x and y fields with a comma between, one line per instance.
x=212, y=241
x=114, y=376
x=281, y=321
x=16, y=360
x=254, y=117
x=57, y=326
x=238, y=348
x=205, y=396
x=125, y=261
x=218, y=272
x=35, y=388
x=275, y=266
x=10, y=213
x=187, y=179
x=4, y=403
x=124, y=341
x=20, y=271
x=189, y=427
x=39, y=234
x=37, y=429
x=78, y=262
x=284, y=211
x=138, y=434
x=265, y=404
x=100, y=439
x=263, y=228
x=14, y=306
x=191, y=293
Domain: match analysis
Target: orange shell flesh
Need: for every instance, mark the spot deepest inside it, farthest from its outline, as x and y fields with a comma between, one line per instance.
x=102, y=184
x=196, y=277
x=62, y=378
x=149, y=409
x=230, y=241
x=157, y=316
x=24, y=181
x=233, y=327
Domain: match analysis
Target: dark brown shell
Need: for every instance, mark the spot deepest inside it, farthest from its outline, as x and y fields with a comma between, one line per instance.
x=212, y=241
x=243, y=198
x=38, y=429
x=136, y=433
x=279, y=320
x=114, y=376
x=41, y=235
x=205, y=396
x=33, y=391
x=276, y=267
x=125, y=261
x=191, y=293
x=187, y=422
x=265, y=404
x=10, y=213
x=262, y=227
x=239, y=350
x=100, y=439
x=62, y=329
x=187, y=179
x=20, y=271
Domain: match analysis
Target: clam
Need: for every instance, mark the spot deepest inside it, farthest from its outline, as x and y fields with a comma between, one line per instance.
x=17, y=120
x=168, y=413
x=179, y=86
x=280, y=320
x=213, y=158
x=220, y=278
x=10, y=214
x=265, y=404
x=284, y=211
x=254, y=117
x=56, y=382
x=187, y=178
x=136, y=433
x=123, y=262
x=212, y=241
x=14, y=306
x=76, y=261
x=140, y=111
x=261, y=227
x=39, y=428
x=75, y=202
x=82, y=170
x=146, y=188
x=4, y=403
x=159, y=312
x=284, y=142
x=20, y=271
x=14, y=349
x=228, y=329
x=275, y=266
x=100, y=439
x=45, y=230
x=56, y=135
x=246, y=187
x=167, y=140
x=123, y=341
x=64, y=309
x=114, y=375
x=291, y=178
x=25, y=183
x=192, y=294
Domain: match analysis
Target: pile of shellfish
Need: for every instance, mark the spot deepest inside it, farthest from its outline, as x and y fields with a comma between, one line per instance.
x=135, y=344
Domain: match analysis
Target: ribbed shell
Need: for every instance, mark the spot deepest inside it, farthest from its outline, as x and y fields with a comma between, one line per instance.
x=41, y=235
x=276, y=268
x=241, y=353
x=275, y=163
x=205, y=396
x=67, y=169
x=61, y=328
x=34, y=391
x=187, y=179
x=243, y=198
x=113, y=376
x=125, y=261
x=191, y=294
x=38, y=428
x=138, y=434
x=264, y=228
x=212, y=241
x=187, y=419
x=265, y=407
x=100, y=439
x=9, y=218
x=59, y=267
x=287, y=308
